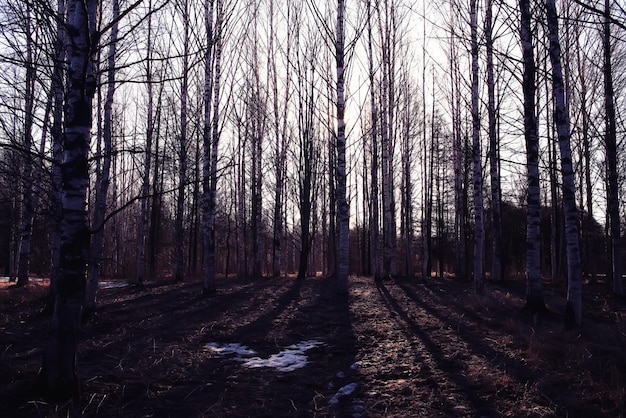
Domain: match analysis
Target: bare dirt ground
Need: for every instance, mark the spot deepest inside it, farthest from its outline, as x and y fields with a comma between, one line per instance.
x=400, y=348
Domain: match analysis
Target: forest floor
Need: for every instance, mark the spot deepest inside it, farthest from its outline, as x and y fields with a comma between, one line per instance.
x=397, y=348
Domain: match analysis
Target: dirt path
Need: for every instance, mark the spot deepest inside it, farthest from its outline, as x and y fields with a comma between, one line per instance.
x=391, y=349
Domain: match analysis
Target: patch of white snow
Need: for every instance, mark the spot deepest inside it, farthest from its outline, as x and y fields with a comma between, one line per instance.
x=231, y=348
x=287, y=360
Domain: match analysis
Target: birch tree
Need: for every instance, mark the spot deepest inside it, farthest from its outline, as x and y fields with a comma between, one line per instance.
x=212, y=69
x=374, y=169
x=341, y=201
x=280, y=133
x=56, y=131
x=611, y=157
x=183, y=144
x=534, y=296
x=476, y=156
x=58, y=374
x=573, y=310
x=386, y=29
x=494, y=157
x=145, y=178
x=103, y=175
x=27, y=209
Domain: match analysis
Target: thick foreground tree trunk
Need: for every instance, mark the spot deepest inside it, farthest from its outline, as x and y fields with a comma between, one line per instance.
x=58, y=374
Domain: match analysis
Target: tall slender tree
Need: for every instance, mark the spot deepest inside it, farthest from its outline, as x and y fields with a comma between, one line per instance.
x=183, y=145
x=573, y=310
x=27, y=209
x=212, y=68
x=611, y=157
x=476, y=156
x=494, y=157
x=341, y=201
x=534, y=295
x=145, y=178
x=374, y=167
x=103, y=176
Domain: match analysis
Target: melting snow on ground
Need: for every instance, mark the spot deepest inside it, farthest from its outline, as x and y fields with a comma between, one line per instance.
x=287, y=360
x=239, y=350
x=344, y=391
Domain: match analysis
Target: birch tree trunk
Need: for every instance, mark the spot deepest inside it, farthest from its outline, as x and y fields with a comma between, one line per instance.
x=343, y=210
x=386, y=133
x=56, y=132
x=182, y=163
x=102, y=181
x=494, y=157
x=534, y=295
x=211, y=140
x=573, y=310
x=58, y=374
x=27, y=202
x=145, y=183
x=611, y=158
x=479, y=231
x=459, y=156
x=374, y=220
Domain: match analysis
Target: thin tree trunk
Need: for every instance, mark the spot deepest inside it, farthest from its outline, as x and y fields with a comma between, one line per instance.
x=343, y=210
x=534, y=295
x=27, y=203
x=145, y=185
x=611, y=157
x=496, y=215
x=573, y=311
x=280, y=146
x=57, y=155
x=103, y=177
x=182, y=163
x=211, y=143
x=386, y=120
x=476, y=155
x=374, y=213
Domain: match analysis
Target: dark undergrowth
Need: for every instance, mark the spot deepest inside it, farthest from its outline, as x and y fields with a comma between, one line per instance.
x=394, y=348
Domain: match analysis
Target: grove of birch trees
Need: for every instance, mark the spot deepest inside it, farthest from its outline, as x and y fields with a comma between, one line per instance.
x=150, y=140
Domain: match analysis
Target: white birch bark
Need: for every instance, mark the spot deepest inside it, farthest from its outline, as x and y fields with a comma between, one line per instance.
x=534, y=296
x=374, y=220
x=56, y=132
x=573, y=312
x=479, y=231
x=386, y=120
x=343, y=210
x=494, y=164
x=211, y=139
x=58, y=373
